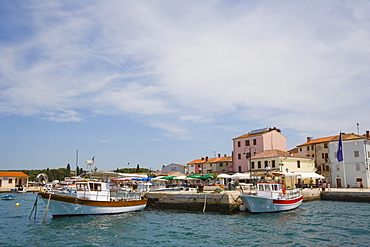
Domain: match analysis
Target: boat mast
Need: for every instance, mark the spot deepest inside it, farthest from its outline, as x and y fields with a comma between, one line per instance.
x=76, y=161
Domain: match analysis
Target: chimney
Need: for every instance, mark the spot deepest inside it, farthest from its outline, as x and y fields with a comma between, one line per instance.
x=309, y=138
x=202, y=158
x=219, y=155
x=225, y=155
x=367, y=134
x=206, y=158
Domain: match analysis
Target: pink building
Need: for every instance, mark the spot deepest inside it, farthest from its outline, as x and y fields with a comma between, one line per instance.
x=254, y=142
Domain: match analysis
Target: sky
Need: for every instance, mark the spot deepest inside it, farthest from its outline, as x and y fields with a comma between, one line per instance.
x=160, y=82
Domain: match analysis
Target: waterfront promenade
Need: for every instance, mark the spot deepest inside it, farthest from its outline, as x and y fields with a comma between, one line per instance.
x=229, y=202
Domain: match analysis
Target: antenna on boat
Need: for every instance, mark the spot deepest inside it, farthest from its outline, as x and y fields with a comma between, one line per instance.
x=76, y=161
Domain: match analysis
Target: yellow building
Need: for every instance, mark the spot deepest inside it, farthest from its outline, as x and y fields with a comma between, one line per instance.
x=278, y=161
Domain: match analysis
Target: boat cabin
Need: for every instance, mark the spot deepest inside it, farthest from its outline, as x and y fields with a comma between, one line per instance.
x=93, y=190
x=270, y=190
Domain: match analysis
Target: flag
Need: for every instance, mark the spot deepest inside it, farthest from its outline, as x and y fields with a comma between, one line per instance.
x=340, y=149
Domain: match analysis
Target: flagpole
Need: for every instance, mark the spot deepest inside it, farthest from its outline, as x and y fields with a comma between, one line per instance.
x=344, y=167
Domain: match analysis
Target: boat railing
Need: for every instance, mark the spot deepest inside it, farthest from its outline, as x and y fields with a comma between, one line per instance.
x=126, y=196
x=292, y=193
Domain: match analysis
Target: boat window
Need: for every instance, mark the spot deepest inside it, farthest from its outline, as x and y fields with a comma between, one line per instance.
x=81, y=187
x=274, y=187
x=95, y=187
x=267, y=187
x=260, y=187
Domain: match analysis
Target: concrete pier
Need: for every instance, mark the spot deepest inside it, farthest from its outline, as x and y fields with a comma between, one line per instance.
x=224, y=202
x=347, y=195
x=311, y=195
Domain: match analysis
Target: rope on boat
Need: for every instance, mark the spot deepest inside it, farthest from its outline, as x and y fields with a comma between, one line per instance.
x=47, y=208
x=34, y=209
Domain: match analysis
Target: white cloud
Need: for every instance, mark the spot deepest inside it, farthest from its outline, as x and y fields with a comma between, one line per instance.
x=286, y=64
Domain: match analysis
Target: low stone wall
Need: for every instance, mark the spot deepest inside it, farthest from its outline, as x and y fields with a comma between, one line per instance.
x=29, y=189
x=224, y=202
x=347, y=196
x=311, y=195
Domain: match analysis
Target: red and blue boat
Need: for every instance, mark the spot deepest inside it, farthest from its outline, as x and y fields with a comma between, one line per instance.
x=272, y=197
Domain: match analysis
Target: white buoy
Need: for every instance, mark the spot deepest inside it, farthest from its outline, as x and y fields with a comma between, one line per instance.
x=242, y=207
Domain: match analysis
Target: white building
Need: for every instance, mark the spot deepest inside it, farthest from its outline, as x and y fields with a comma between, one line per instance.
x=175, y=167
x=355, y=167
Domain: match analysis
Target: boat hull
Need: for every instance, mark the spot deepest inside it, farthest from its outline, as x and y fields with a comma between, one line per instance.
x=8, y=197
x=257, y=204
x=60, y=206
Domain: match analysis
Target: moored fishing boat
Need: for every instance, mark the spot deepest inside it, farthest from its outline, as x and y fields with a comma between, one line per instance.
x=8, y=197
x=93, y=197
x=272, y=197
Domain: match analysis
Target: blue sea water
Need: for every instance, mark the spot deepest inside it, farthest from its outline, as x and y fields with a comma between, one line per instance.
x=319, y=223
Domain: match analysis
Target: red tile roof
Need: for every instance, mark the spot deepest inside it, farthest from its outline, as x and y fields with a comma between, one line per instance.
x=350, y=136
x=249, y=135
x=212, y=160
x=277, y=153
x=13, y=174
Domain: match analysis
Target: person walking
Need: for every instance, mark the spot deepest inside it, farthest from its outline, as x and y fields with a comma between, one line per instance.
x=361, y=186
x=324, y=185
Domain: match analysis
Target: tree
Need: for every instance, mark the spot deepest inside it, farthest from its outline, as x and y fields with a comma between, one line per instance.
x=50, y=175
x=68, y=171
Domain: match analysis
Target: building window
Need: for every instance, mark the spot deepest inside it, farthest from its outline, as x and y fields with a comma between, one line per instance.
x=298, y=164
x=247, y=143
x=326, y=156
x=325, y=145
x=10, y=181
x=221, y=164
x=273, y=164
x=240, y=168
x=239, y=156
x=259, y=164
x=312, y=147
x=238, y=144
x=313, y=156
x=192, y=165
x=358, y=167
x=323, y=156
x=266, y=163
x=253, y=165
x=327, y=168
x=300, y=149
x=254, y=141
x=358, y=180
x=356, y=153
x=319, y=168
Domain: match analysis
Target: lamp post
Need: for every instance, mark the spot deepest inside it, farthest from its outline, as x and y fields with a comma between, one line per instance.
x=250, y=158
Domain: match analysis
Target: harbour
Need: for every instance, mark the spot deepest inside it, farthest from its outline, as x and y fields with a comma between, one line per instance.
x=314, y=223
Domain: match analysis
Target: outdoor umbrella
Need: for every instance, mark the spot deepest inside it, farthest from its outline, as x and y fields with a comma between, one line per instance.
x=224, y=176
